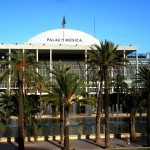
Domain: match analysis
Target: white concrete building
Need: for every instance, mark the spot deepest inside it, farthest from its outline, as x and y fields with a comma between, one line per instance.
x=67, y=45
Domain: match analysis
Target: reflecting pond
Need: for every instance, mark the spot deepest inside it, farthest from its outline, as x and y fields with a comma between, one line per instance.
x=80, y=125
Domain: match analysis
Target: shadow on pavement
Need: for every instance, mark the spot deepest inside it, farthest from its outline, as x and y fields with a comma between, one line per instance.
x=8, y=146
x=55, y=144
x=90, y=141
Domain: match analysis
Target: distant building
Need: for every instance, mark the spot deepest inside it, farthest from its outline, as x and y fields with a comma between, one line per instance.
x=71, y=47
x=137, y=61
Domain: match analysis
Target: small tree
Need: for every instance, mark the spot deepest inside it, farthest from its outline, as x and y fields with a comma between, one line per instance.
x=133, y=103
x=31, y=108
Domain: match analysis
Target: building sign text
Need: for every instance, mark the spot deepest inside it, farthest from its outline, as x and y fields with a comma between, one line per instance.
x=64, y=40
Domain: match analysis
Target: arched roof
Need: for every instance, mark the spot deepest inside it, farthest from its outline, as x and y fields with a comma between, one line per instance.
x=64, y=37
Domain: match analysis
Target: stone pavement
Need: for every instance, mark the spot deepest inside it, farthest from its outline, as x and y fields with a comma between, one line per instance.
x=83, y=144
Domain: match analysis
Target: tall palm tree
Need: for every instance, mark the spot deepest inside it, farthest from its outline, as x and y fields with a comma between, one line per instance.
x=59, y=70
x=104, y=57
x=72, y=90
x=144, y=77
x=97, y=76
x=19, y=65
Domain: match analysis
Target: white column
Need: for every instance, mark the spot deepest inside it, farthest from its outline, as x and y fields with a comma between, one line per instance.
x=37, y=59
x=112, y=76
x=137, y=64
x=124, y=56
x=23, y=78
x=50, y=63
x=9, y=78
x=86, y=69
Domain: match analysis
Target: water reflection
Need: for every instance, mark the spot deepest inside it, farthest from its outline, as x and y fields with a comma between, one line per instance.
x=81, y=125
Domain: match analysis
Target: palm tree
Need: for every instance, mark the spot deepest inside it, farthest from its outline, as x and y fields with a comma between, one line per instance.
x=119, y=85
x=55, y=93
x=71, y=90
x=144, y=77
x=104, y=57
x=19, y=65
x=96, y=76
x=133, y=103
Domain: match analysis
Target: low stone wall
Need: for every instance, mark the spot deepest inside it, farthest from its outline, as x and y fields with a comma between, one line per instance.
x=72, y=137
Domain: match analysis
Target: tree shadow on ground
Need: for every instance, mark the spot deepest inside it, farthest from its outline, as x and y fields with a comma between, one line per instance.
x=55, y=143
x=8, y=146
x=90, y=141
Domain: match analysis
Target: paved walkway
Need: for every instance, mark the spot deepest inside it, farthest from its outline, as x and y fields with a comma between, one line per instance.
x=83, y=144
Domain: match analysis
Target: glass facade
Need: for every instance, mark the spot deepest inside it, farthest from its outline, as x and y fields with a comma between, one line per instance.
x=47, y=57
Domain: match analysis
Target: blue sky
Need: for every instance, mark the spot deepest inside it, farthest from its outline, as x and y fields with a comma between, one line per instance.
x=123, y=22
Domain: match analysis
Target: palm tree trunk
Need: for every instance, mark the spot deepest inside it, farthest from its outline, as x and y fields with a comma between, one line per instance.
x=66, y=129
x=20, y=118
x=132, y=127
x=98, y=114
x=107, y=126
x=148, y=119
x=61, y=124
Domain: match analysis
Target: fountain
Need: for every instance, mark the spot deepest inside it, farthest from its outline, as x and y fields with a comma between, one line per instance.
x=74, y=109
x=83, y=125
x=87, y=110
